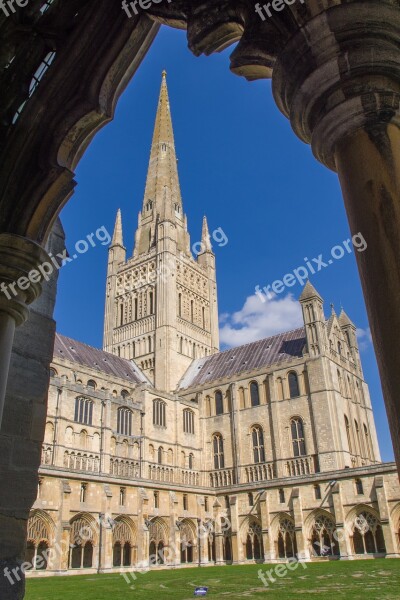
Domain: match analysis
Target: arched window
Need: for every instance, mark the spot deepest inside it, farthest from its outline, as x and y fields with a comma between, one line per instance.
x=367, y=443
x=191, y=461
x=124, y=424
x=340, y=382
x=192, y=311
x=188, y=421
x=359, y=486
x=83, y=411
x=159, y=412
x=339, y=348
x=151, y=298
x=258, y=444
x=160, y=455
x=348, y=434
x=179, y=305
x=250, y=498
x=91, y=384
x=317, y=492
x=218, y=450
x=219, y=403
x=324, y=537
x=294, y=389
x=367, y=534
x=53, y=372
x=357, y=429
x=298, y=441
x=286, y=542
x=254, y=394
x=281, y=494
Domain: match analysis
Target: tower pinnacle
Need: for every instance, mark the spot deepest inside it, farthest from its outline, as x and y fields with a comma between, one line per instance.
x=117, y=239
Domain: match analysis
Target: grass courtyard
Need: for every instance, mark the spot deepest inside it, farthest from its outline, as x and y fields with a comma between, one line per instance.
x=367, y=579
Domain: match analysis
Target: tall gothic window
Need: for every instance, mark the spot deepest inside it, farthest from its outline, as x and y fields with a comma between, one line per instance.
x=357, y=429
x=218, y=449
x=347, y=425
x=179, y=305
x=219, y=403
x=159, y=409
x=188, y=421
x=254, y=394
x=359, y=487
x=298, y=441
x=160, y=455
x=367, y=443
x=294, y=389
x=258, y=444
x=124, y=424
x=83, y=411
x=151, y=303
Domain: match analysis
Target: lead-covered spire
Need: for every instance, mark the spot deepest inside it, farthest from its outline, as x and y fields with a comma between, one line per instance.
x=162, y=193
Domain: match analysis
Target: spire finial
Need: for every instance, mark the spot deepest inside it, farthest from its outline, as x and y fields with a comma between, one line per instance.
x=117, y=237
x=205, y=237
x=164, y=74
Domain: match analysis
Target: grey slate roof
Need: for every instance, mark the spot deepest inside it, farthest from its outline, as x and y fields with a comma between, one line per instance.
x=69, y=349
x=270, y=351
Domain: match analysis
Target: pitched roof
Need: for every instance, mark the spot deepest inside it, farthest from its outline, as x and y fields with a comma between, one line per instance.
x=82, y=354
x=270, y=351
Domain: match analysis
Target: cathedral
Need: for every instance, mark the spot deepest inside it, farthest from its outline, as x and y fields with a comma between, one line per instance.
x=162, y=451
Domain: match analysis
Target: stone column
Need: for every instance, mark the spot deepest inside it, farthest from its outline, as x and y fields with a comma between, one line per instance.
x=19, y=286
x=23, y=415
x=303, y=551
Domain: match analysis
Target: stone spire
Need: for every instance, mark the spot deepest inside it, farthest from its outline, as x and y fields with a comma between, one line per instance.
x=117, y=239
x=205, y=237
x=162, y=185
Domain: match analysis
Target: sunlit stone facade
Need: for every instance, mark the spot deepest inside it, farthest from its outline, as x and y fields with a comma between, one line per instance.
x=160, y=449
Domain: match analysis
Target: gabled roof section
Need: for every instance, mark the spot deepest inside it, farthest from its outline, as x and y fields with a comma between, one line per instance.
x=82, y=354
x=270, y=351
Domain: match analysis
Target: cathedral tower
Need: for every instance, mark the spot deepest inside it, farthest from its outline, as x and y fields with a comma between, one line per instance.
x=161, y=304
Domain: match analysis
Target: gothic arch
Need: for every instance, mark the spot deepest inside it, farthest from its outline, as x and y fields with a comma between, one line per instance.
x=284, y=536
x=124, y=542
x=40, y=538
x=188, y=540
x=158, y=540
x=251, y=538
x=83, y=540
x=320, y=528
x=365, y=526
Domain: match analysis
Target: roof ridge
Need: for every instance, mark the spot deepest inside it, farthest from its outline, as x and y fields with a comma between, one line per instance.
x=260, y=340
x=66, y=337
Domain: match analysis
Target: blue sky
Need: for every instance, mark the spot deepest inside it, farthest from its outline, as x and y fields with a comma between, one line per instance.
x=242, y=166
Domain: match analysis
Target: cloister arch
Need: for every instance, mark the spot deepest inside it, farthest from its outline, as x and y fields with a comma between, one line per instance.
x=320, y=527
x=158, y=540
x=40, y=539
x=188, y=540
x=124, y=542
x=284, y=536
x=83, y=541
x=251, y=539
x=366, y=530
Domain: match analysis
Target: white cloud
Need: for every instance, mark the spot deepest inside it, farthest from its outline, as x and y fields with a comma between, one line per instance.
x=257, y=320
x=364, y=338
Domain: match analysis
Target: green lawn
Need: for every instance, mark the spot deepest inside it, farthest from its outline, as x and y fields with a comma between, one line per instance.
x=364, y=580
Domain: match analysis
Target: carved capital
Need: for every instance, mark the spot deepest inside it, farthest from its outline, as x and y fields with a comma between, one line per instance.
x=18, y=258
x=339, y=73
